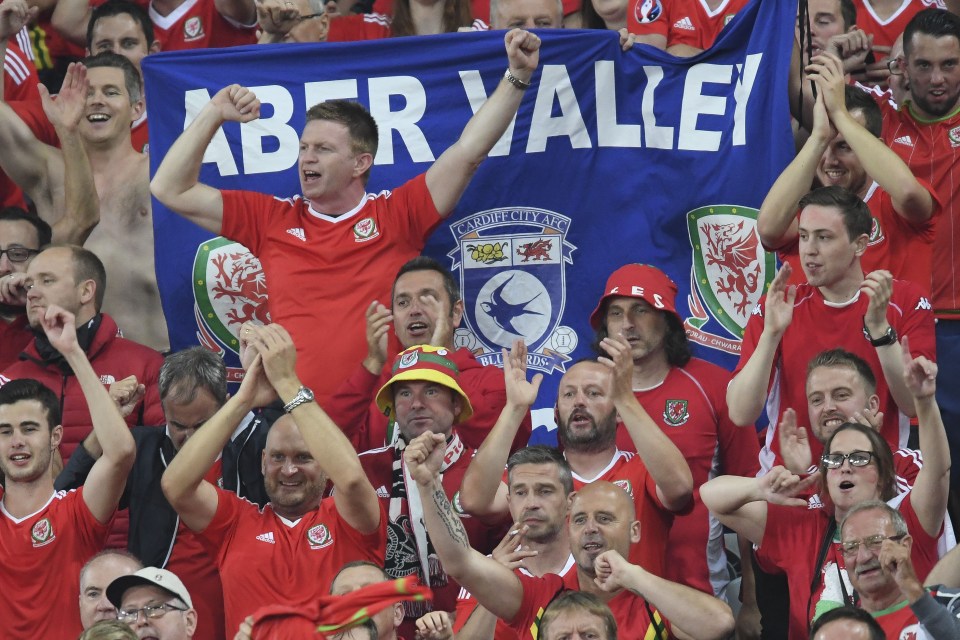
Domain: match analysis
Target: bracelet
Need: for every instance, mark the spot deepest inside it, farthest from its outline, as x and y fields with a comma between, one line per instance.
x=515, y=81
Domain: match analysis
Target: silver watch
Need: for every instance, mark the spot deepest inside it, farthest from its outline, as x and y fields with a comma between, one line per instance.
x=303, y=395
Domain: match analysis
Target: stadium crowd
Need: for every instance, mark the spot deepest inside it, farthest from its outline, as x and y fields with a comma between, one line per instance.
x=380, y=484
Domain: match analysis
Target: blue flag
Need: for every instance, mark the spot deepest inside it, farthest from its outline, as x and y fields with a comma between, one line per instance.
x=613, y=158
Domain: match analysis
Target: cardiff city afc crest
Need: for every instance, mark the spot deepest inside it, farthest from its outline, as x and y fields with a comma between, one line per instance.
x=511, y=263
x=229, y=288
x=730, y=273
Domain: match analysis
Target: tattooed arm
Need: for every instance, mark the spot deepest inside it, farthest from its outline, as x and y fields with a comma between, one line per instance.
x=493, y=585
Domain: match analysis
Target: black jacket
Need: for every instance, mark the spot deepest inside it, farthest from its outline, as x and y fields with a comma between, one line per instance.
x=153, y=522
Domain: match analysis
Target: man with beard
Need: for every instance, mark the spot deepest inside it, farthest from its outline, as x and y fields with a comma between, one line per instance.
x=539, y=483
x=925, y=135
x=591, y=396
x=875, y=545
x=602, y=527
x=47, y=536
x=844, y=149
x=21, y=236
x=290, y=550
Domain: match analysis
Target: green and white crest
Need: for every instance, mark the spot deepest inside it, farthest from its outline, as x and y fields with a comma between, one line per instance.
x=730, y=272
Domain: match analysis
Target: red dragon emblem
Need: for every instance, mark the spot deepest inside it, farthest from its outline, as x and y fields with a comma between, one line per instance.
x=240, y=278
x=733, y=249
x=536, y=251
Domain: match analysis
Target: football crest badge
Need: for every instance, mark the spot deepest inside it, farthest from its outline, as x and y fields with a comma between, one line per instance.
x=319, y=537
x=676, y=413
x=42, y=533
x=730, y=273
x=512, y=265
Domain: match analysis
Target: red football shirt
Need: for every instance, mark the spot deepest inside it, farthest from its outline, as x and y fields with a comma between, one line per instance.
x=40, y=560
x=627, y=471
x=266, y=559
x=14, y=338
x=636, y=620
x=689, y=22
x=690, y=406
x=885, y=32
x=908, y=313
x=359, y=26
x=327, y=270
x=19, y=83
x=932, y=151
x=196, y=24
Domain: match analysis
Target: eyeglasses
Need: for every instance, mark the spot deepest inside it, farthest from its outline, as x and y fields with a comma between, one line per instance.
x=309, y=16
x=129, y=616
x=18, y=254
x=871, y=543
x=893, y=65
x=856, y=458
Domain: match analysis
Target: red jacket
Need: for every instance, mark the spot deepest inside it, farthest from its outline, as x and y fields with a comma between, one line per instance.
x=354, y=410
x=113, y=358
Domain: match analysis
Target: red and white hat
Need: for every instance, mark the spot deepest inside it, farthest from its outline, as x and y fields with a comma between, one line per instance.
x=638, y=281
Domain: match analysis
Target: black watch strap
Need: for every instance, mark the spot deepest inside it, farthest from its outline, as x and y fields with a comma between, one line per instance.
x=887, y=338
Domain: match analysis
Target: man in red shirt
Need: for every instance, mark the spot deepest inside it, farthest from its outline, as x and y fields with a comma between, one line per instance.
x=291, y=549
x=844, y=149
x=867, y=315
x=926, y=134
x=602, y=527
x=426, y=308
x=876, y=545
x=46, y=536
x=329, y=252
x=681, y=27
x=686, y=398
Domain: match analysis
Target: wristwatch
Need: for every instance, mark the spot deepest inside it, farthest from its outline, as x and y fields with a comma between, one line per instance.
x=303, y=395
x=887, y=338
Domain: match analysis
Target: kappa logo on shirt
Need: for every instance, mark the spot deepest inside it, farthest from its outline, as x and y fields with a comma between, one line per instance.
x=193, y=29
x=684, y=23
x=924, y=304
x=42, y=533
x=267, y=537
x=319, y=537
x=757, y=311
x=297, y=233
x=904, y=140
x=365, y=230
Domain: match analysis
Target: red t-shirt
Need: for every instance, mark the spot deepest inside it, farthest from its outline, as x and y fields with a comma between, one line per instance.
x=467, y=604
x=908, y=313
x=690, y=406
x=196, y=24
x=40, y=560
x=896, y=244
x=791, y=544
x=885, y=32
x=636, y=620
x=932, y=150
x=627, y=471
x=197, y=569
x=265, y=559
x=689, y=22
x=19, y=83
x=328, y=269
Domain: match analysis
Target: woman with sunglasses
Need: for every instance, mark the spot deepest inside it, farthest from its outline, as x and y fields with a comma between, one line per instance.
x=797, y=536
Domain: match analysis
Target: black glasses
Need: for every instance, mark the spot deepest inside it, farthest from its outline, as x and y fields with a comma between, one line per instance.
x=129, y=616
x=856, y=458
x=870, y=543
x=893, y=65
x=18, y=254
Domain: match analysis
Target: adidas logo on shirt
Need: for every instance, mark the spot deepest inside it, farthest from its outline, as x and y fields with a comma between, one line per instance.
x=382, y=492
x=814, y=502
x=266, y=537
x=904, y=140
x=684, y=23
x=298, y=233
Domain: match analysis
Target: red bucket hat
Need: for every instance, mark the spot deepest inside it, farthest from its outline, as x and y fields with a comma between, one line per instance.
x=638, y=281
